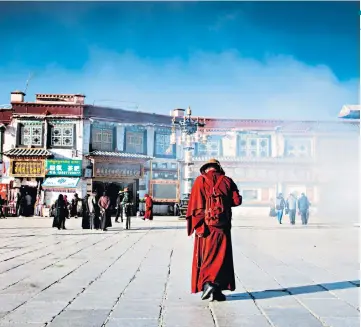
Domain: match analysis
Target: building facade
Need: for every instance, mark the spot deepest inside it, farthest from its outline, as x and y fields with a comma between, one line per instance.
x=43, y=149
x=59, y=144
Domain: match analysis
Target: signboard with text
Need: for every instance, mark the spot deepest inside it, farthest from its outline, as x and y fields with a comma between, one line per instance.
x=27, y=168
x=63, y=167
x=102, y=169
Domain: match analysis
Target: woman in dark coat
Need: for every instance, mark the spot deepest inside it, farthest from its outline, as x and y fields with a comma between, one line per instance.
x=60, y=213
x=86, y=223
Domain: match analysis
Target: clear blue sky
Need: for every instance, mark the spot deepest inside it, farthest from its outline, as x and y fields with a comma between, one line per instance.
x=246, y=59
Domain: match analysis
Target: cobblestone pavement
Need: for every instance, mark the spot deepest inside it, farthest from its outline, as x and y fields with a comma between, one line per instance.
x=286, y=275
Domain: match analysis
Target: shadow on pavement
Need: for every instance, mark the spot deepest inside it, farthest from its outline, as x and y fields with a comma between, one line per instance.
x=306, y=289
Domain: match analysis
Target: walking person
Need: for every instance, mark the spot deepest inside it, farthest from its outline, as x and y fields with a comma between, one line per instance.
x=2, y=204
x=85, y=222
x=280, y=206
x=148, y=207
x=67, y=214
x=291, y=205
x=28, y=207
x=303, y=207
x=119, y=207
x=18, y=199
x=209, y=216
x=59, y=213
x=104, y=205
x=126, y=205
x=94, y=211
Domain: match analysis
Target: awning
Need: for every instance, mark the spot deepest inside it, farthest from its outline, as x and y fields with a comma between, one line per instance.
x=28, y=152
x=62, y=183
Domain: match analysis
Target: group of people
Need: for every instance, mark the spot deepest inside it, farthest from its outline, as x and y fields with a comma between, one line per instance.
x=96, y=211
x=290, y=206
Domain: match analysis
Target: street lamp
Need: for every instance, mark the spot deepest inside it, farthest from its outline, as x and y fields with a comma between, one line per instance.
x=189, y=128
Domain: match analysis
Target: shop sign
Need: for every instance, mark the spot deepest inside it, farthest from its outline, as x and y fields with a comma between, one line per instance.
x=27, y=168
x=63, y=167
x=164, y=175
x=61, y=182
x=104, y=169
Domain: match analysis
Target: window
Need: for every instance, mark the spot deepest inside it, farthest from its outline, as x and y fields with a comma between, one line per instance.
x=212, y=148
x=102, y=139
x=253, y=146
x=31, y=135
x=250, y=195
x=62, y=136
x=162, y=146
x=297, y=147
x=165, y=191
x=134, y=142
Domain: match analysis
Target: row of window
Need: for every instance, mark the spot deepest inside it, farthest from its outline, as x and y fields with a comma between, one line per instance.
x=60, y=136
x=102, y=138
x=249, y=145
x=135, y=141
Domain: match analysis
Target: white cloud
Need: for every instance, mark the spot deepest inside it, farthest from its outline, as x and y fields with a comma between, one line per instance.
x=219, y=85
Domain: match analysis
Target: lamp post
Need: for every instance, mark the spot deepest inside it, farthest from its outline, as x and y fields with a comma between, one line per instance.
x=189, y=128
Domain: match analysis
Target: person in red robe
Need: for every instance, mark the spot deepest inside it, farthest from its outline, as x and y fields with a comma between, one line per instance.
x=148, y=207
x=212, y=267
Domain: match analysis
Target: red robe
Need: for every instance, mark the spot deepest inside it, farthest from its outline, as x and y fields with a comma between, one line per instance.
x=212, y=255
x=148, y=208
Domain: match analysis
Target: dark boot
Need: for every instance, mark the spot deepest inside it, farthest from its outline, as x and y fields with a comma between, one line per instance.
x=218, y=296
x=208, y=290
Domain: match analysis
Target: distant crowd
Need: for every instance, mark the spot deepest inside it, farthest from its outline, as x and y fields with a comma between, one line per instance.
x=290, y=207
x=95, y=211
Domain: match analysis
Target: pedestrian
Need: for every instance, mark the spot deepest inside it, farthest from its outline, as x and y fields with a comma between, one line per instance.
x=148, y=207
x=94, y=211
x=18, y=199
x=291, y=205
x=303, y=207
x=85, y=222
x=104, y=204
x=60, y=213
x=2, y=204
x=119, y=207
x=28, y=207
x=272, y=211
x=75, y=207
x=126, y=205
x=209, y=216
x=280, y=206
x=67, y=205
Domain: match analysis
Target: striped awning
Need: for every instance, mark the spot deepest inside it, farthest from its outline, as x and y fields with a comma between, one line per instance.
x=26, y=152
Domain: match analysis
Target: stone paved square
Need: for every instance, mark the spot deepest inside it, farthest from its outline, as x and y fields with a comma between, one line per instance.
x=286, y=276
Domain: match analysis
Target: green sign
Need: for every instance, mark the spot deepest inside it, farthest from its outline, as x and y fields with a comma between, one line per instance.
x=63, y=168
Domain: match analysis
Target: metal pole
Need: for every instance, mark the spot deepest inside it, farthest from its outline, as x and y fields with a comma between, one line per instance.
x=187, y=178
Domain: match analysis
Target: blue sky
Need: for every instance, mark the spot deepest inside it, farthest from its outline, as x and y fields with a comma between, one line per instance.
x=289, y=60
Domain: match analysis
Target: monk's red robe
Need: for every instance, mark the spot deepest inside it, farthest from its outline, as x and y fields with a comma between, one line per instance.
x=148, y=208
x=212, y=255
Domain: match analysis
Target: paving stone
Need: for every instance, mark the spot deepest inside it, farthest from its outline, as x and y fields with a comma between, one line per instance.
x=91, y=271
x=341, y=322
x=81, y=318
x=283, y=319
x=132, y=323
x=137, y=309
x=330, y=308
x=35, y=312
x=244, y=321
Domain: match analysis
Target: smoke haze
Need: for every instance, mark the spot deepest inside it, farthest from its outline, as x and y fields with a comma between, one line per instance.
x=214, y=85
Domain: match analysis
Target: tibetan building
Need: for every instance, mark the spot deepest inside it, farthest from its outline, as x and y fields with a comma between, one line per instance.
x=57, y=143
